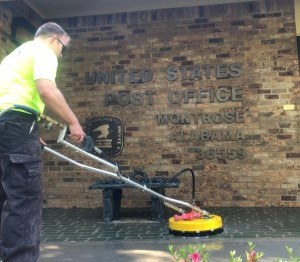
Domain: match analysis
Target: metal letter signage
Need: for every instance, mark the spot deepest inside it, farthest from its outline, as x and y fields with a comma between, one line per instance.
x=107, y=133
x=226, y=94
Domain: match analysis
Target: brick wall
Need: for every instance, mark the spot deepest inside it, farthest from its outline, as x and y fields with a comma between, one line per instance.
x=5, y=31
x=8, y=11
x=232, y=110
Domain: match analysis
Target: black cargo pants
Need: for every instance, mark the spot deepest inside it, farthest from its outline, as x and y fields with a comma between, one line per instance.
x=20, y=188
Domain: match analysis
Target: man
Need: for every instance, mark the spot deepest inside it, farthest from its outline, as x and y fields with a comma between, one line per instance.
x=27, y=78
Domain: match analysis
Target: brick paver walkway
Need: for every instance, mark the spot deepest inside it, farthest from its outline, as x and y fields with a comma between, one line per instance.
x=85, y=225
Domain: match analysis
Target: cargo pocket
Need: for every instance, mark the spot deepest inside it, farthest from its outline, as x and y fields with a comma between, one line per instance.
x=25, y=174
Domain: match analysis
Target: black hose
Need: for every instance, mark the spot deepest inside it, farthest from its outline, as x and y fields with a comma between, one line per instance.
x=193, y=181
x=88, y=145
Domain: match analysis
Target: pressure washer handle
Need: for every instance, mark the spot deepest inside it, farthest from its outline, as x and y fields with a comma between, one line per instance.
x=51, y=121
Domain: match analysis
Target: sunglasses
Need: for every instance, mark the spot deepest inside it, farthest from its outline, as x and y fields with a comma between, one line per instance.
x=64, y=47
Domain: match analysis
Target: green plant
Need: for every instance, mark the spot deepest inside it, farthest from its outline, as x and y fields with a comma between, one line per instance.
x=233, y=258
x=198, y=253
x=292, y=258
x=193, y=253
x=252, y=255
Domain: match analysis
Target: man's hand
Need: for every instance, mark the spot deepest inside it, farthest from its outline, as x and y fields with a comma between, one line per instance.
x=76, y=133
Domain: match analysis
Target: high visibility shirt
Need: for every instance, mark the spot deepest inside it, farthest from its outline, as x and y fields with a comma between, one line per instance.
x=31, y=61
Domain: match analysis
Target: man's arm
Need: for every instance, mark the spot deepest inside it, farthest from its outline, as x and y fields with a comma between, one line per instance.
x=55, y=102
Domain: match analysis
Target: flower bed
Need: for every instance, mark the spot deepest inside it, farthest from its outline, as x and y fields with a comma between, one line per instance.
x=198, y=253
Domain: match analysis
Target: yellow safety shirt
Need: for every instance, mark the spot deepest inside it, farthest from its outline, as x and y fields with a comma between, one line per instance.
x=18, y=71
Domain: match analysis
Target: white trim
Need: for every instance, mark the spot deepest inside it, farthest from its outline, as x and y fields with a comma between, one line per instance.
x=70, y=8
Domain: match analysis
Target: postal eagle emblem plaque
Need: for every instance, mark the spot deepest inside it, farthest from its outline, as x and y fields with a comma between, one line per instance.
x=107, y=133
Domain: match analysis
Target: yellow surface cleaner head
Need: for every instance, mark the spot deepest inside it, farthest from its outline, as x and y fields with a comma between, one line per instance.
x=209, y=225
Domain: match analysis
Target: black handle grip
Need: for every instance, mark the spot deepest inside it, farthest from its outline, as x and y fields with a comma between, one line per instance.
x=88, y=144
